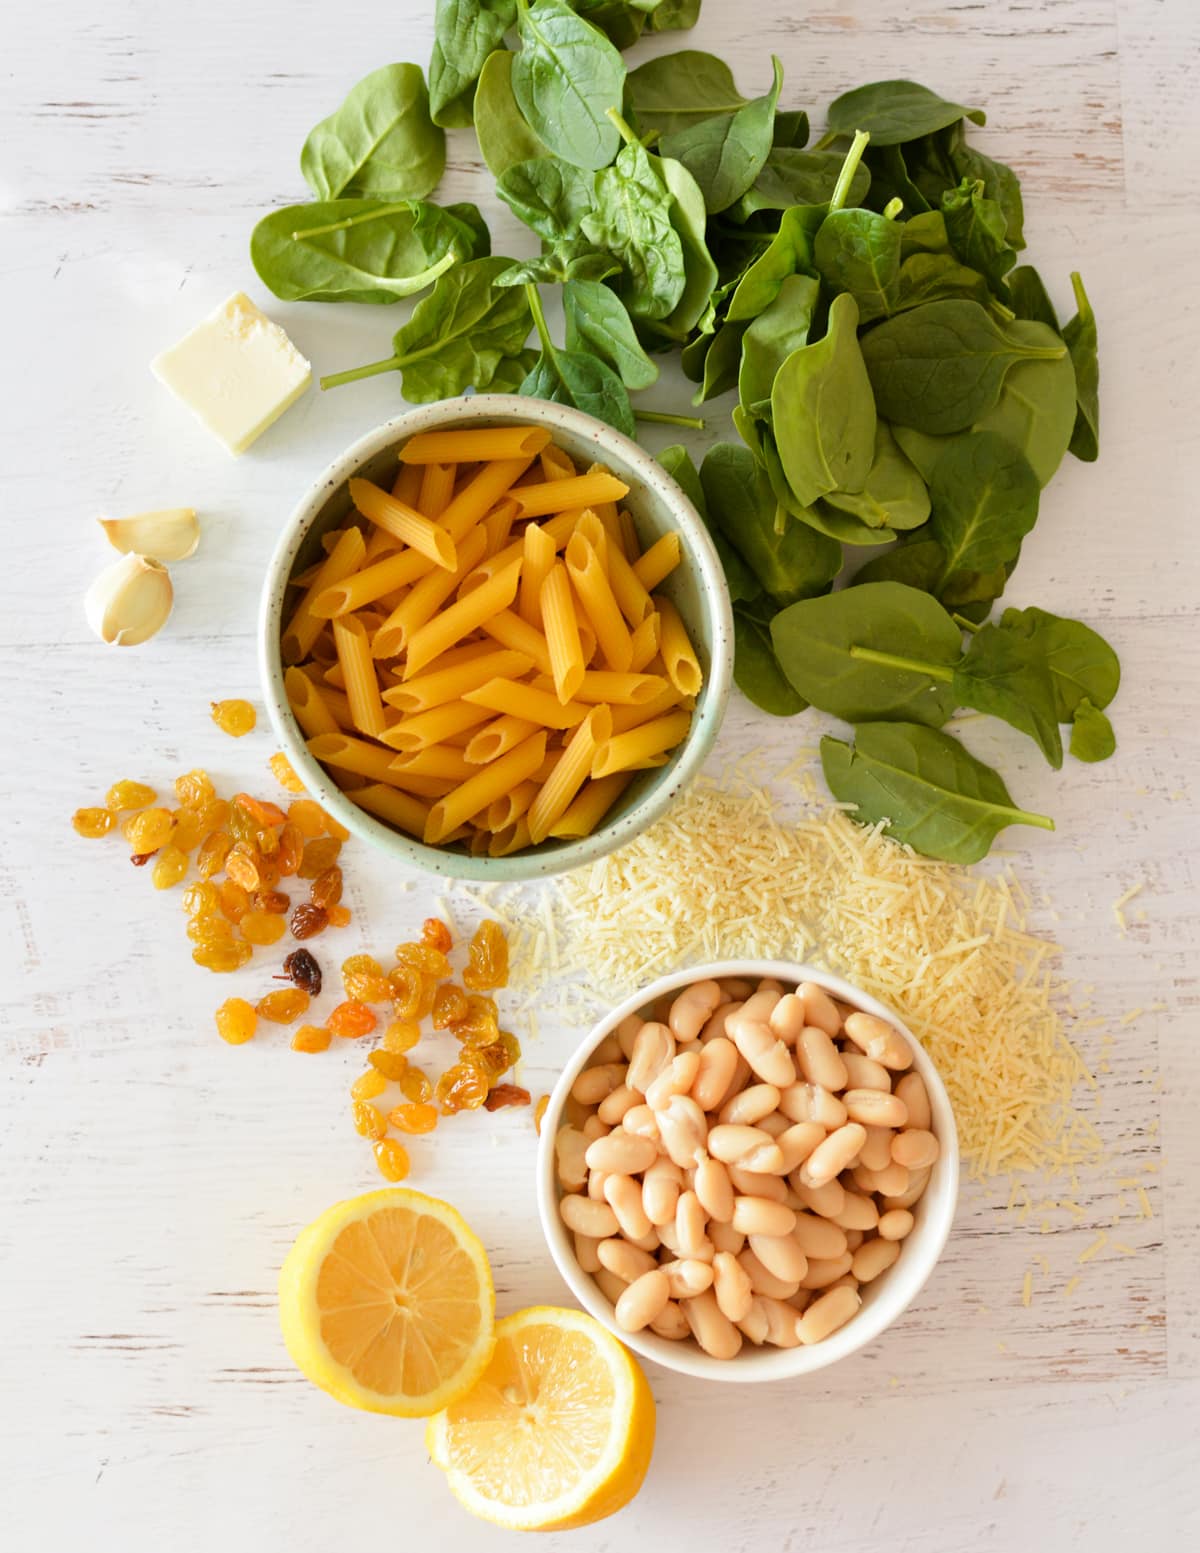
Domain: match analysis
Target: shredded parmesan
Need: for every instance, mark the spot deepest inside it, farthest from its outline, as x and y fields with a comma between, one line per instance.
x=1095, y=1248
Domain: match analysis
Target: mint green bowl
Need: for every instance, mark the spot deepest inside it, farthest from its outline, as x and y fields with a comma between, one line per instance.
x=657, y=505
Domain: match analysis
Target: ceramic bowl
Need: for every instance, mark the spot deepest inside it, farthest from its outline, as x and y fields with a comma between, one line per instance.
x=657, y=505
x=883, y=1301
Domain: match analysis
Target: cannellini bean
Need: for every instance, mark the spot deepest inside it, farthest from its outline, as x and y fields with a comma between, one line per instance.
x=812, y=1103
x=798, y=1141
x=782, y=1322
x=624, y=1197
x=819, y=1060
x=586, y=1217
x=684, y=1130
x=661, y=1187
x=675, y=1079
x=873, y=1108
x=787, y=1018
x=857, y=1213
x=824, y=1316
x=666, y=1233
x=692, y=1009
x=770, y=984
x=623, y=1153
x=749, y=1106
x=830, y=1158
x=781, y=1255
x=863, y=1073
x=874, y=1257
x=819, y=1239
x=730, y=1143
x=609, y=1050
x=570, y=1150
x=642, y=1122
x=854, y=1239
x=652, y=1052
x=761, y=1216
x=586, y=1253
x=762, y=1279
x=751, y=1183
x=594, y=1128
x=918, y=1180
x=647, y=1242
x=801, y=1300
x=775, y=1122
x=595, y=1184
x=718, y=1059
x=916, y=1148
x=688, y=1277
x=714, y=1029
x=757, y=1008
x=642, y=1302
x=671, y=1323
x=711, y=1328
x=767, y=1161
x=768, y=1057
x=825, y=1200
x=691, y=1221
x=754, y=1323
x=819, y=1008
x=714, y=1189
x=627, y=1033
x=693, y=1047
x=888, y=1182
x=876, y=1152
x=623, y=1259
x=736, y=988
x=725, y=1238
x=731, y=1286
x=879, y=1040
x=594, y=1084
x=613, y=1107
x=821, y=1274
x=911, y=1089
x=895, y=1224
x=609, y=1285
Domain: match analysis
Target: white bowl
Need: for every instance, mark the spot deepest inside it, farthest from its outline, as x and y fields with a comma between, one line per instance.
x=883, y=1300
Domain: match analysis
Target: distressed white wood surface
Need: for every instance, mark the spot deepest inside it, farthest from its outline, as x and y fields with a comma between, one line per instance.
x=153, y=1178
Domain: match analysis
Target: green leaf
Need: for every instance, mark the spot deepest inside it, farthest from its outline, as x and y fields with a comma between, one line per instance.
x=504, y=137
x=1082, y=665
x=978, y=232
x=674, y=15
x=561, y=265
x=937, y=277
x=567, y=377
x=620, y=21
x=756, y=671
x=1006, y=676
x=1081, y=338
x=893, y=112
x=678, y=90
x=921, y=563
x=1036, y=411
x=859, y=252
x=829, y=649
x=465, y=34
x=894, y=496
x=933, y=794
x=549, y=195
x=741, y=581
x=791, y=128
x=688, y=219
x=565, y=79
x=985, y=500
x=596, y=321
x=1092, y=736
x=631, y=219
x=1028, y=298
x=726, y=152
x=823, y=411
x=824, y=519
x=722, y=360
x=512, y=371
x=792, y=177
x=779, y=329
x=380, y=144
x=1000, y=184
x=790, y=252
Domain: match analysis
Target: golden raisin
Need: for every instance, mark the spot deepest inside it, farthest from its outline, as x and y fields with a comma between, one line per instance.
x=229, y=956
x=449, y=1006
x=129, y=795
x=236, y=1021
x=274, y=901
x=335, y=828
x=291, y=849
x=461, y=1088
x=429, y=988
x=339, y=916
x=367, y=1085
x=216, y=813
x=308, y=920
x=311, y=1038
x=203, y=929
x=148, y=830
x=244, y=866
x=93, y=823
x=501, y=1096
x=539, y=1112
x=481, y=1023
x=260, y=810
x=241, y=825
x=407, y=991
x=266, y=841
x=234, y=717
x=488, y=958
x=200, y=899
x=190, y=829
x=234, y=902
x=308, y=818
x=195, y=789
x=401, y=1035
x=413, y=1117
x=369, y=1120
x=390, y=1065
x=214, y=849
x=284, y=773
x=424, y=958
x=318, y=856
x=263, y=927
x=436, y=934
x=491, y=1060
x=391, y=1158
x=363, y=977
x=352, y=1019
x=283, y=1005
x=268, y=873
x=326, y=888
x=169, y=867
x=415, y=1086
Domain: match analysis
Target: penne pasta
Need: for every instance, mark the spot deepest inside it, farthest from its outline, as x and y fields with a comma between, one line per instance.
x=405, y=522
x=466, y=801
x=513, y=838
x=397, y=808
x=588, y=808
x=626, y=751
x=538, y=549
x=574, y=491
x=617, y=689
x=570, y=772
x=437, y=489
x=498, y=525
x=678, y=654
x=304, y=627
x=629, y=535
x=435, y=760
x=490, y=442
x=351, y=754
x=562, y=632
x=453, y=681
x=308, y=703
x=498, y=737
x=645, y=641
x=463, y=617
x=669, y=700
x=425, y=598
x=372, y=583
x=556, y=465
x=433, y=727
x=658, y=562
x=591, y=586
x=521, y=700
x=480, y=494
x=406, y=487
x=508, y=809
x=511, y=631
x=362, y=687
x=633, y=600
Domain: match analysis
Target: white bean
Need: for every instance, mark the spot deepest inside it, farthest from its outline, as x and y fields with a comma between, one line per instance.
x=692, y=1008
x=652, y=1052
x=819, y=1008
x=623, y=1259
x=798, y=1141
x=854, y=1239
x=750, y=1183
x=819, y=1239
x=888, y=1182
x=714, y=1189
x=614, y=1107
x=730, y=1143
x=718, y=1059
x=570, y=1149
x=627, y=1033
x=593, y=1084
x=857, y=1213
x=916, y=1148
x=688, y=1277
x=917, y=1182
x=775, y=1122
x=684, y=1130
x=876, y=1152
x=754, y=1323
x=623, y=1153
x=781, y=1255
x=830, y=1158
x=763, y=1050
x=762, y=1279
x=609, y=1285
x=819, y=1060
x=586, y=1253
x=595, y=1184
x=594, y=1128
x=895, y=1224
x=642, y=1302
x=825, y=1200
x=862, y=1073
x=642, y=1122
x=873, y=1108
x=661, y=1187
x=821, y=1274
x=609, y=1050
x=670, y=1323
x=691, y=1221
x=761, y=1216
x=586, y=1217
x=911, y=1089
x=782, y=1322
x=879, y=1040
x=675, y=1079
x=824, y=1316
x=737, y=988
x=787, y=1018
x=874, y=1257
x=725, y=1238
x=711, y=1328
x=624, y=1196
x=714, y=1029
x=812, y=1103
x=647, y=1242
x=750, y=1106
x=731, y=1286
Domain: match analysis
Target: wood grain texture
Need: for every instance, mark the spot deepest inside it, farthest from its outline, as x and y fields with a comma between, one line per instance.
x=153, y=1178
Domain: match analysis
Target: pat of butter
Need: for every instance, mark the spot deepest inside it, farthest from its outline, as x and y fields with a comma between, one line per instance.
x=236, y=371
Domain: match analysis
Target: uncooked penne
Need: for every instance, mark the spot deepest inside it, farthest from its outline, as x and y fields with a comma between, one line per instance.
x=304, y=626
x=476, y=443
x=678, y=654
x=425, y=598
x=452, y=681
x=463, y=617
x=519, y=700
x=405, y=522
x=539, y=550
x=362, y=687
x=626, y=751
x=308, y=704
x=437, y=489
x=592, y=588
x=562, y=632
x=658, y=562
x=466, y=801
x=570, y=772
x=561, y=495
x=589, y=806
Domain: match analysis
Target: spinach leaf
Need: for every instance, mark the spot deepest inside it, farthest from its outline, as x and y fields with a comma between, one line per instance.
x=789, y=252
x=791, y=128
x=937, y=277
x=675, y=91
x=621, y=21
x=573, y=261
x=465, y=33
x=779, y=329
x=831, y=649
x=792, y=177
x=1006, y=676
x=721, y=363
x=741, y=581
x=756, y=671
x=688, y=219
x=977, y=230
x=1028, y=298
x=932, y=793
x=380, y=144
x=788, y=560
x=726, y=152
x=576, y=378
x=894, y=495
x=824, y=519
x=823, y=412
x=925, y=233
x=457, y=337
x=597, y=321
x=1080, y=336
x=895, y=111
x=674, y=15
x=939, y=367
x=1092, y=736
x=890, y=180
x=1000, y=183
x=1082, y=665
x=631, y=219
x=504, y=137
x=549, y=195
x=859, y=252
x=985, y=500
x=512, y=371
x=357, y=250
x=565, y=79
x=1036, y=412
x=921, y=563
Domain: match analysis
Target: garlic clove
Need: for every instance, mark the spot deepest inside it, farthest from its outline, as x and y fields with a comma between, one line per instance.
x=129, y=601
x=169, y=535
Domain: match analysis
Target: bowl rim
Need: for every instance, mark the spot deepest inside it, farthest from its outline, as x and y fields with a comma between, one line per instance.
x=893, y=1297
x=699, y=551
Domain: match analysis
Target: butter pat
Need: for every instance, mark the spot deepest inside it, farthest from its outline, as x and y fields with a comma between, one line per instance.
x=236, y=371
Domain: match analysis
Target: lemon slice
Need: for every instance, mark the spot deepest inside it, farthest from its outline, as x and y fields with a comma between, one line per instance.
x=556, y=1433
x=386, y=1302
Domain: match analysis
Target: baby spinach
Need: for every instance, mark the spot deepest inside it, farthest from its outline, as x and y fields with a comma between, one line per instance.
x=380, y=144
x=726, y=152
x=674, y=15
x=793, y=177
x=894, y=495
x=789, y=252
x=1028, y=298
x=1006, y=676
x=823, y=411
x=895, y=111
x=921, y=563
x=859, y=252
x=830, y=649
x=931, y=792
x=687, y=218
x=569, y=261
x=941, y=366
x=549, y=195
x=721, y=363
x=985, y=500
x=779, y=329
x=1082, y=665
x=565, y=79
x=978, y=231
x=621, y=21
x=631, y=219
x=791, y=128
x=1000, y=183
x=575, y=377
x=504, y=137
x=465, y=34
x=1092, y=736
x=756, y=671
x=676, y=91
x=597, y=321
x=1081, y=339
x=937, y=277
x=740, y=580
x=847, y=530
x=1036, y=412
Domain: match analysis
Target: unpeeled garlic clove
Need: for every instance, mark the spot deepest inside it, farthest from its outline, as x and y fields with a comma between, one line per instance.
x=169, y=535
x=129, y=601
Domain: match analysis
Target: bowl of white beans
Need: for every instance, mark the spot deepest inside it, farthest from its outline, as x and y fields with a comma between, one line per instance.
x=748, y=1170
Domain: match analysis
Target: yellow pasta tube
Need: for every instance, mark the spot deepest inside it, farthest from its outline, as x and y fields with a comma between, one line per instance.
x=570, y=772
x=497, y=525
x=513, y=838
x=645, y=640
x=423, y=600
x=371, y=583
x=399, y=809
x=452, y=681
x=435, y=760
x=630, y=543
x=308, y=704
x=562, y=632
x=511, y=631
x=463, y=617
x=539, y=550
x=380, y=544
x=437, y=489
x=477, y=443
x=617, y=689
x=480, y=494
x=436, y=726
x=508, y=809
x=591, y=528
x=624, y=751
x=350, y=754
x=521, y=700
x=557, y=464
x=593, y=802
x=678, y=654
x=335, y=675
x=405, y=522
x=362, y=687
x=592, y=588
x=406, y=487
x=498, y=737
x=477, y=792
x=559, y=495
x=668, y=700
x=304, y=627
x=658, y=562
x=633, y=600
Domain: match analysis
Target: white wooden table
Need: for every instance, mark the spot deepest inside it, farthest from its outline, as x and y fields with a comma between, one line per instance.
x=153, y=1178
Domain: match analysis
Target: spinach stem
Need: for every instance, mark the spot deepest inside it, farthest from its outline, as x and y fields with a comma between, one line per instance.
x=626, y=133
x=1027, y=817
x=887, y=660
x=841, y=190
x=893, y=208
x=352, y=374
x=341, y=226
x=539, y=318
x=964, y=623
x=661, y=418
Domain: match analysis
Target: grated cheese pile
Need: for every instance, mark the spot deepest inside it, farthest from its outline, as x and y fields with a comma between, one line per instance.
x=723, y=876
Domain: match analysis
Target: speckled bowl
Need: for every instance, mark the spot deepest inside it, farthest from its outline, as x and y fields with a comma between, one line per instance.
x=697, y=588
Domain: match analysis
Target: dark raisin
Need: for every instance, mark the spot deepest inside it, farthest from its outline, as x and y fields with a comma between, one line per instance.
x=301, y=968
x=309, y=920
x=502, y=1095
x=140, y=859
